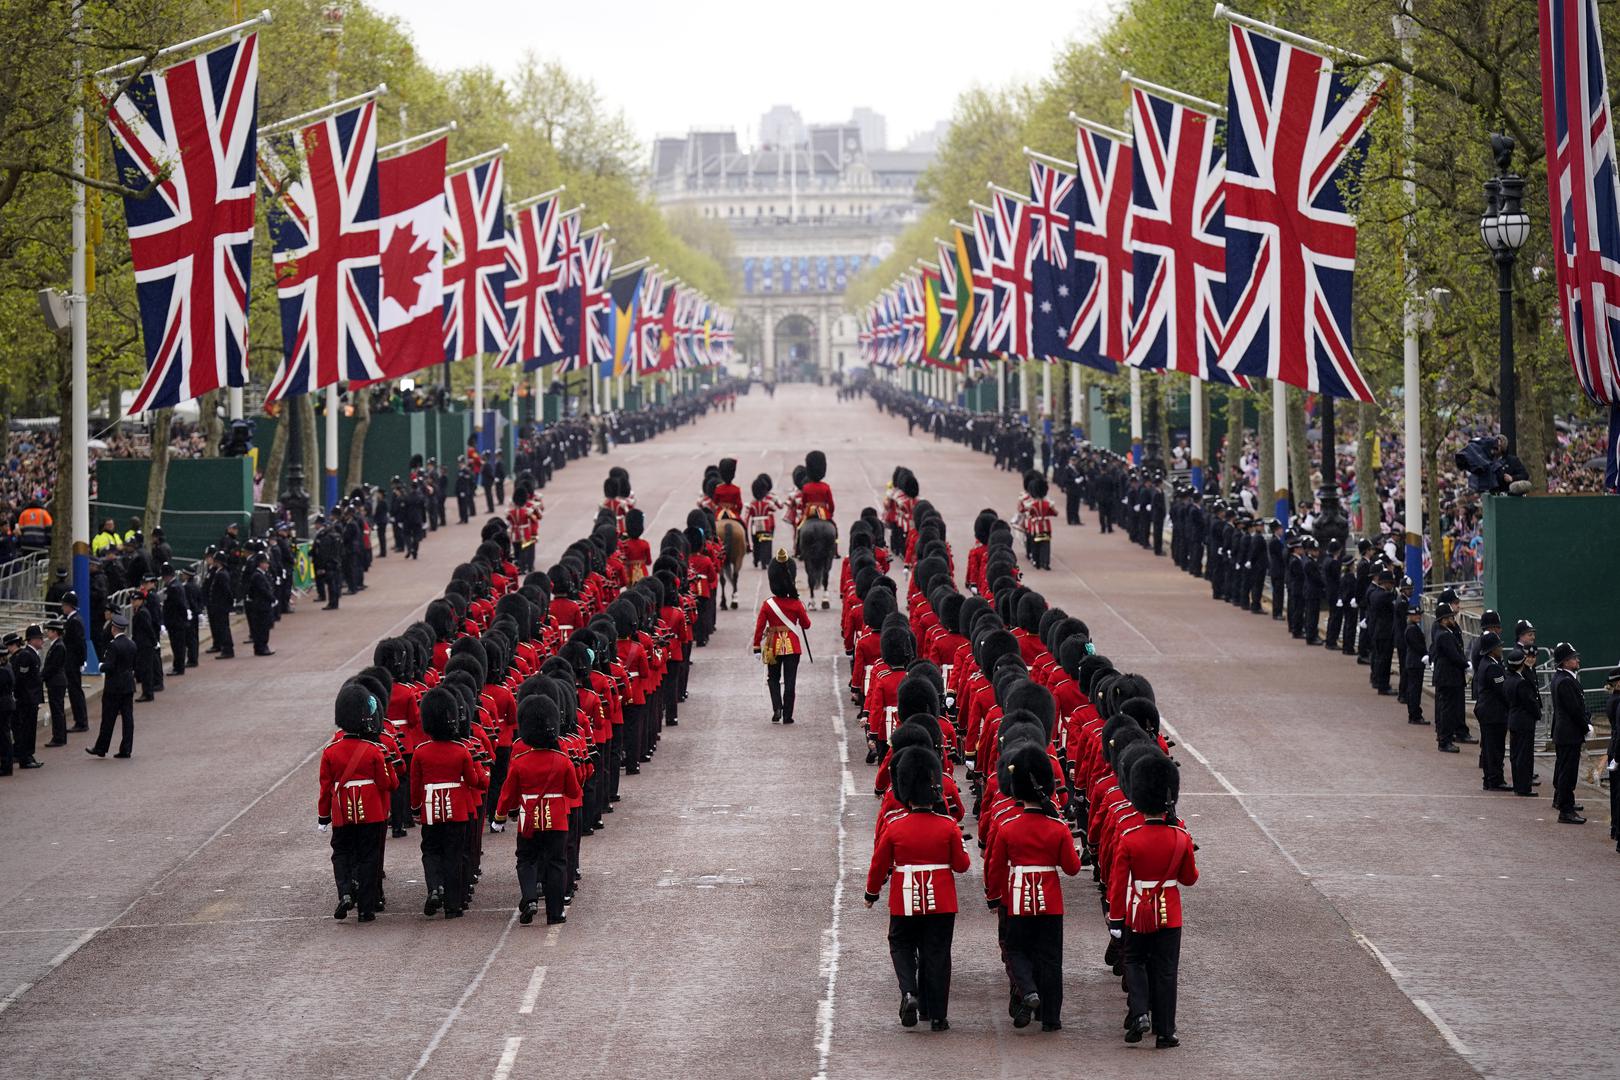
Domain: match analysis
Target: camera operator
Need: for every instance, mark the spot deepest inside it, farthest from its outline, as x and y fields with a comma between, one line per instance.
x=1491, y=469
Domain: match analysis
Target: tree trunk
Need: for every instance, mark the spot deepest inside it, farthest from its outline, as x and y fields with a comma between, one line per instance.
x=271, y=463
x=1534, y=410
x=1162, y=428
x=1427, y=455
x=314, y=474
x=357, y=440
x=157, y=480
x=1232, y=453
x=1299, y=454
x=208, y=422
x=1268, y=475
x=1366, y=482
x=62, y=494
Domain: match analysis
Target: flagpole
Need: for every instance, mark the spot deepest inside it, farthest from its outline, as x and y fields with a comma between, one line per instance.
x=1078, y=419
x=1048, y=159
x=1136, y=416
x=1279, y=448
x=414, y=141
x=263, y=18
x=79, y=411
x=1222, y=12
x=477, y=159
x=1101, y=129
x=1195, y=426
x=524, y=204
x=1406, y=30
x=1204, y=104
x=335, y=30
x=324, y=111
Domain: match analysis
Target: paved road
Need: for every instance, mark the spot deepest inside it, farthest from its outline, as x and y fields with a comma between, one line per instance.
x=1364, y=909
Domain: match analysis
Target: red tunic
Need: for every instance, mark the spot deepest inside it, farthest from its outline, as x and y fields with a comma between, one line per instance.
x=919, y=852
x=817, y=493
x=540, y=787
x=356, y=782
x=445, y=781
x=782, y=618
x=1151, y=863
x=1021, y=872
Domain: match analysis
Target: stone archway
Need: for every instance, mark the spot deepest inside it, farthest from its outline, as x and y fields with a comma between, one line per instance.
x=796, y=348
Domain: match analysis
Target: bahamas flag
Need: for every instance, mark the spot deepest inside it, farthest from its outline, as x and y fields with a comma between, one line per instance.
x=623, y=318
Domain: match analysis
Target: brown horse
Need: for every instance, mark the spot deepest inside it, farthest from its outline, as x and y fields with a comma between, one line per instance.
x=734, y=538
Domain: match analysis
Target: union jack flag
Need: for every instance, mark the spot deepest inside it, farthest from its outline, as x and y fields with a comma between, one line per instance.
x=534, y=273
x=1009, y=272
x=649, y=321
x=475, y=262
x=912, y=319
x=1585, y=200
x=1177, y=254
x=596, y=265
x=1102, y=250
x=191, y=241
x=1295, y=141
x=326, y=236
x=1051, y=210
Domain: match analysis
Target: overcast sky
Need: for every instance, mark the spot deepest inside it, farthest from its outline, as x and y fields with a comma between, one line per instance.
x=672, y=66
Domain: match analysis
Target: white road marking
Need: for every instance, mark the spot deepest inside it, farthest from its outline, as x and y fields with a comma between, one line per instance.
x=532, y=994
x=461, y=1003
x=1361, y=939
x=84, y=939
x=503, y=1067
x=831, y=943
x=551, y=936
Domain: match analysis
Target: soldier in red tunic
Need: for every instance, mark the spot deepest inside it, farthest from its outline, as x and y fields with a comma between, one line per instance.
x=541, y=788
x=1152, y=862
x=356, y=785
x=1037, y=514
x=445, y=786
x=1027, y=852
x=727, y=496
x=818, y=497
x=760, y=518
x=635, y=551
x=919, y=852
x=779, y=636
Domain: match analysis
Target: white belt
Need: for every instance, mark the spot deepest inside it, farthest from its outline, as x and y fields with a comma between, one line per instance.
x=357, y=783
x=889, y=714
x=917, y=888
x=429, y=792
x=1018, y=875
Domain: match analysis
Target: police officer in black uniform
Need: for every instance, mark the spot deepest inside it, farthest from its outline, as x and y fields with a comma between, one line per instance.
x=259, y=602
x=1450, y=673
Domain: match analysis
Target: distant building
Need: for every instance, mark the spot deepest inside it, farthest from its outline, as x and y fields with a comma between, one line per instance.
x=806, y=216
x=874, y=128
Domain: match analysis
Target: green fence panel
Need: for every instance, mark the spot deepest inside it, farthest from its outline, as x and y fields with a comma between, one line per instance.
x=1552, y=560
x=202, y=497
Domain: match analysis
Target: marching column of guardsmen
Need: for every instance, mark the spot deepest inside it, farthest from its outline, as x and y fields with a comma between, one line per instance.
x=517, y=701
x=1061, y=755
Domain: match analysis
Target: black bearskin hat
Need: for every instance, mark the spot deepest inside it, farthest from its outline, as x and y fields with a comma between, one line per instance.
x=1123, y=688
x=354, y=708
x=1036, y=485
x=694, y=538
x=1029, y=772
x=917, y=776
x=783, y=575
x=1128, y=756
x=1071, y=654
x=1155, y=784
x=538, y=721
x=761, y=486
x=1029, y=479
x=1031, y=696
x=624, y=617
x=1143, y=711
x=441, y=619
x=440, y=709
x=1031, y=606
x=800, y=475
x=610, y=487
x=1119, y=733
x=908, y=735
x=1093, y=668
x=728, y=469
x=908, y=484
x=878, y=605
x=981, y=525
x=697, y=518
x=815, y=465
x=635, y=523
x=897, y=647
x=916, y=695
x=992, y=647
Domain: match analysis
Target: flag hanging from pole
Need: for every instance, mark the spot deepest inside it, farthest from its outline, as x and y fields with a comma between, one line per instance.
x=1584, y=197
x=596, y=306
x=624, y=317
x=324, y=228
x=1102, y=250
x=1295, y=140
x=563, y=304
x=191, y=241
x=410, y=191
x=475, y=262
x=533, y=275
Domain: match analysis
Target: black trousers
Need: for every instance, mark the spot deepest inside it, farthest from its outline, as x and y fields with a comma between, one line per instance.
x=24, y=730
x=56, y=696
x=193, y=646
x=1335, y=624
x=219, y=626
x=920, y=947
x=782, y=678
x=630, y=738
x=1566, y=764
x=1448, y=710
x=357, y=862
x=1034, y=952
x=497, y=777
x=1310, y=618
x=1522, y=753
x=6, y=757
x=542, y=867
x=259, y=620
x=1412, y=694
x=1279, y=597
x=615, y=760
x=177, y=646
x=1151, y=964
x=1071, y=507
x=444, y=851
x=114, y=707
x=1351, y=626
x=1492, y=747
x=1383, y=655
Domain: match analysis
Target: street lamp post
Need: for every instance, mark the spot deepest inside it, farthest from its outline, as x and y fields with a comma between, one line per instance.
x=1504, y=227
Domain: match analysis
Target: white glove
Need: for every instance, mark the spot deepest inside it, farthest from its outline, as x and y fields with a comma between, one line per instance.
x=1590, y=731
x=1362, y=625
x=1115, y=933
x=1352, y=602
x=1426, y=661
x=1338, y=603
x=1248, y=566
x=323, y=828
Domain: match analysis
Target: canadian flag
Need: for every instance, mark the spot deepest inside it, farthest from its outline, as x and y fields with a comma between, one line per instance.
x=413, y=218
